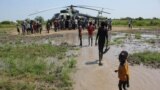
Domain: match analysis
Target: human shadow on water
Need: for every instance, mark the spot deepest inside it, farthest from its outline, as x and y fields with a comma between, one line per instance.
x=92, y=62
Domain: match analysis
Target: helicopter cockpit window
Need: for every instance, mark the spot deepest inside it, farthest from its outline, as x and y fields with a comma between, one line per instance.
x=64, y=11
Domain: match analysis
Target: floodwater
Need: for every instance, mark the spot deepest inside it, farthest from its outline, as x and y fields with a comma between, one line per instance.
x=90, y=76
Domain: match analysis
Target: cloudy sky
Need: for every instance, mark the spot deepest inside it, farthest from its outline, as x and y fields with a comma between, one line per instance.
x=20, y=9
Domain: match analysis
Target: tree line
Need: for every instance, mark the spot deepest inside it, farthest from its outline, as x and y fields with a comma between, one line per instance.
x=139, y=21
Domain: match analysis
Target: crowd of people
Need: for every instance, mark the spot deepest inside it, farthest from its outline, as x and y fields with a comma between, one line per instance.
x=28, y=27
x=33, y=26
x=68, y=24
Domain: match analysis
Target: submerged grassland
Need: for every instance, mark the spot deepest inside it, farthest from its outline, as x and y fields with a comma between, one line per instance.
x=147, y=58
x=40, y=67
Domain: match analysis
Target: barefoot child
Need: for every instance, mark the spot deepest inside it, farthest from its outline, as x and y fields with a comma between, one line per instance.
x=123, y=71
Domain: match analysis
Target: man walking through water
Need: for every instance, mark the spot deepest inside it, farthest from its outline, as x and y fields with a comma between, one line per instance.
x=90, y=33
x=102, y=37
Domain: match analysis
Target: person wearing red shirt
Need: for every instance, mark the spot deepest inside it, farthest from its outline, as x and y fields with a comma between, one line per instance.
x=90, y=33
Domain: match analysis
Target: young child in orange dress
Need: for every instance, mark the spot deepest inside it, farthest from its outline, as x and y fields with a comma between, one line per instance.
x=123, y=71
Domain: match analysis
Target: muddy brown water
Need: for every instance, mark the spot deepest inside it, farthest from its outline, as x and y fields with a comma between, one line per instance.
x=90, y=76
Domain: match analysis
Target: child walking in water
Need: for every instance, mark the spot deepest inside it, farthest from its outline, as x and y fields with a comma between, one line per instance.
x=123, y=71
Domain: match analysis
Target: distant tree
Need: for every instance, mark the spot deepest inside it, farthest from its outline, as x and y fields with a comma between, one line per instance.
x=40, y=19
x=155, y=18
x=7, y=22
x=139, y=18
x=126, y=18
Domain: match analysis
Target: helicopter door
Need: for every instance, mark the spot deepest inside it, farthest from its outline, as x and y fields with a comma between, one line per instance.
x=68, y=17
x=62, y=16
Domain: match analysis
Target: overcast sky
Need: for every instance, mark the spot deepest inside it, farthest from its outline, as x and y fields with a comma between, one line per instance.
x=20, y=9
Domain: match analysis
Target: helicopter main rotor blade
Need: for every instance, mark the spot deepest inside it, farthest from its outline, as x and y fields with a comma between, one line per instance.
x=88, y=8
x=44, y=11
x=86, y=15
x=96, y=7
x=93, y=9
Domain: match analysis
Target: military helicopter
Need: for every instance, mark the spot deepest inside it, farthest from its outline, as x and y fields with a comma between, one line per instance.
x=71, y=12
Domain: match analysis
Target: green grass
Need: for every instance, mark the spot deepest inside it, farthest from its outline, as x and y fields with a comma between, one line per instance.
x=5, y=28
x=4, y=31
x=7, y=85
x=127, y=34
x=117, y=41
x=120, y=22
x=137, y=23
x=138, y=36
x=146, y=57
x=7, y=25
x=151, y=41
x=65, y=75
x=23, y=65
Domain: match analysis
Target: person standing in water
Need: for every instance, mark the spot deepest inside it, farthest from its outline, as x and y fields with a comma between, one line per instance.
x=80, y=34
x=102, y=37
x=110, y=24
x=130, y=23
x=90, y=33
x=123, y=71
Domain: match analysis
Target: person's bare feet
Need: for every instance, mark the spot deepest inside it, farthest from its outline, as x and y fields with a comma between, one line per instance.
x=100, y=64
